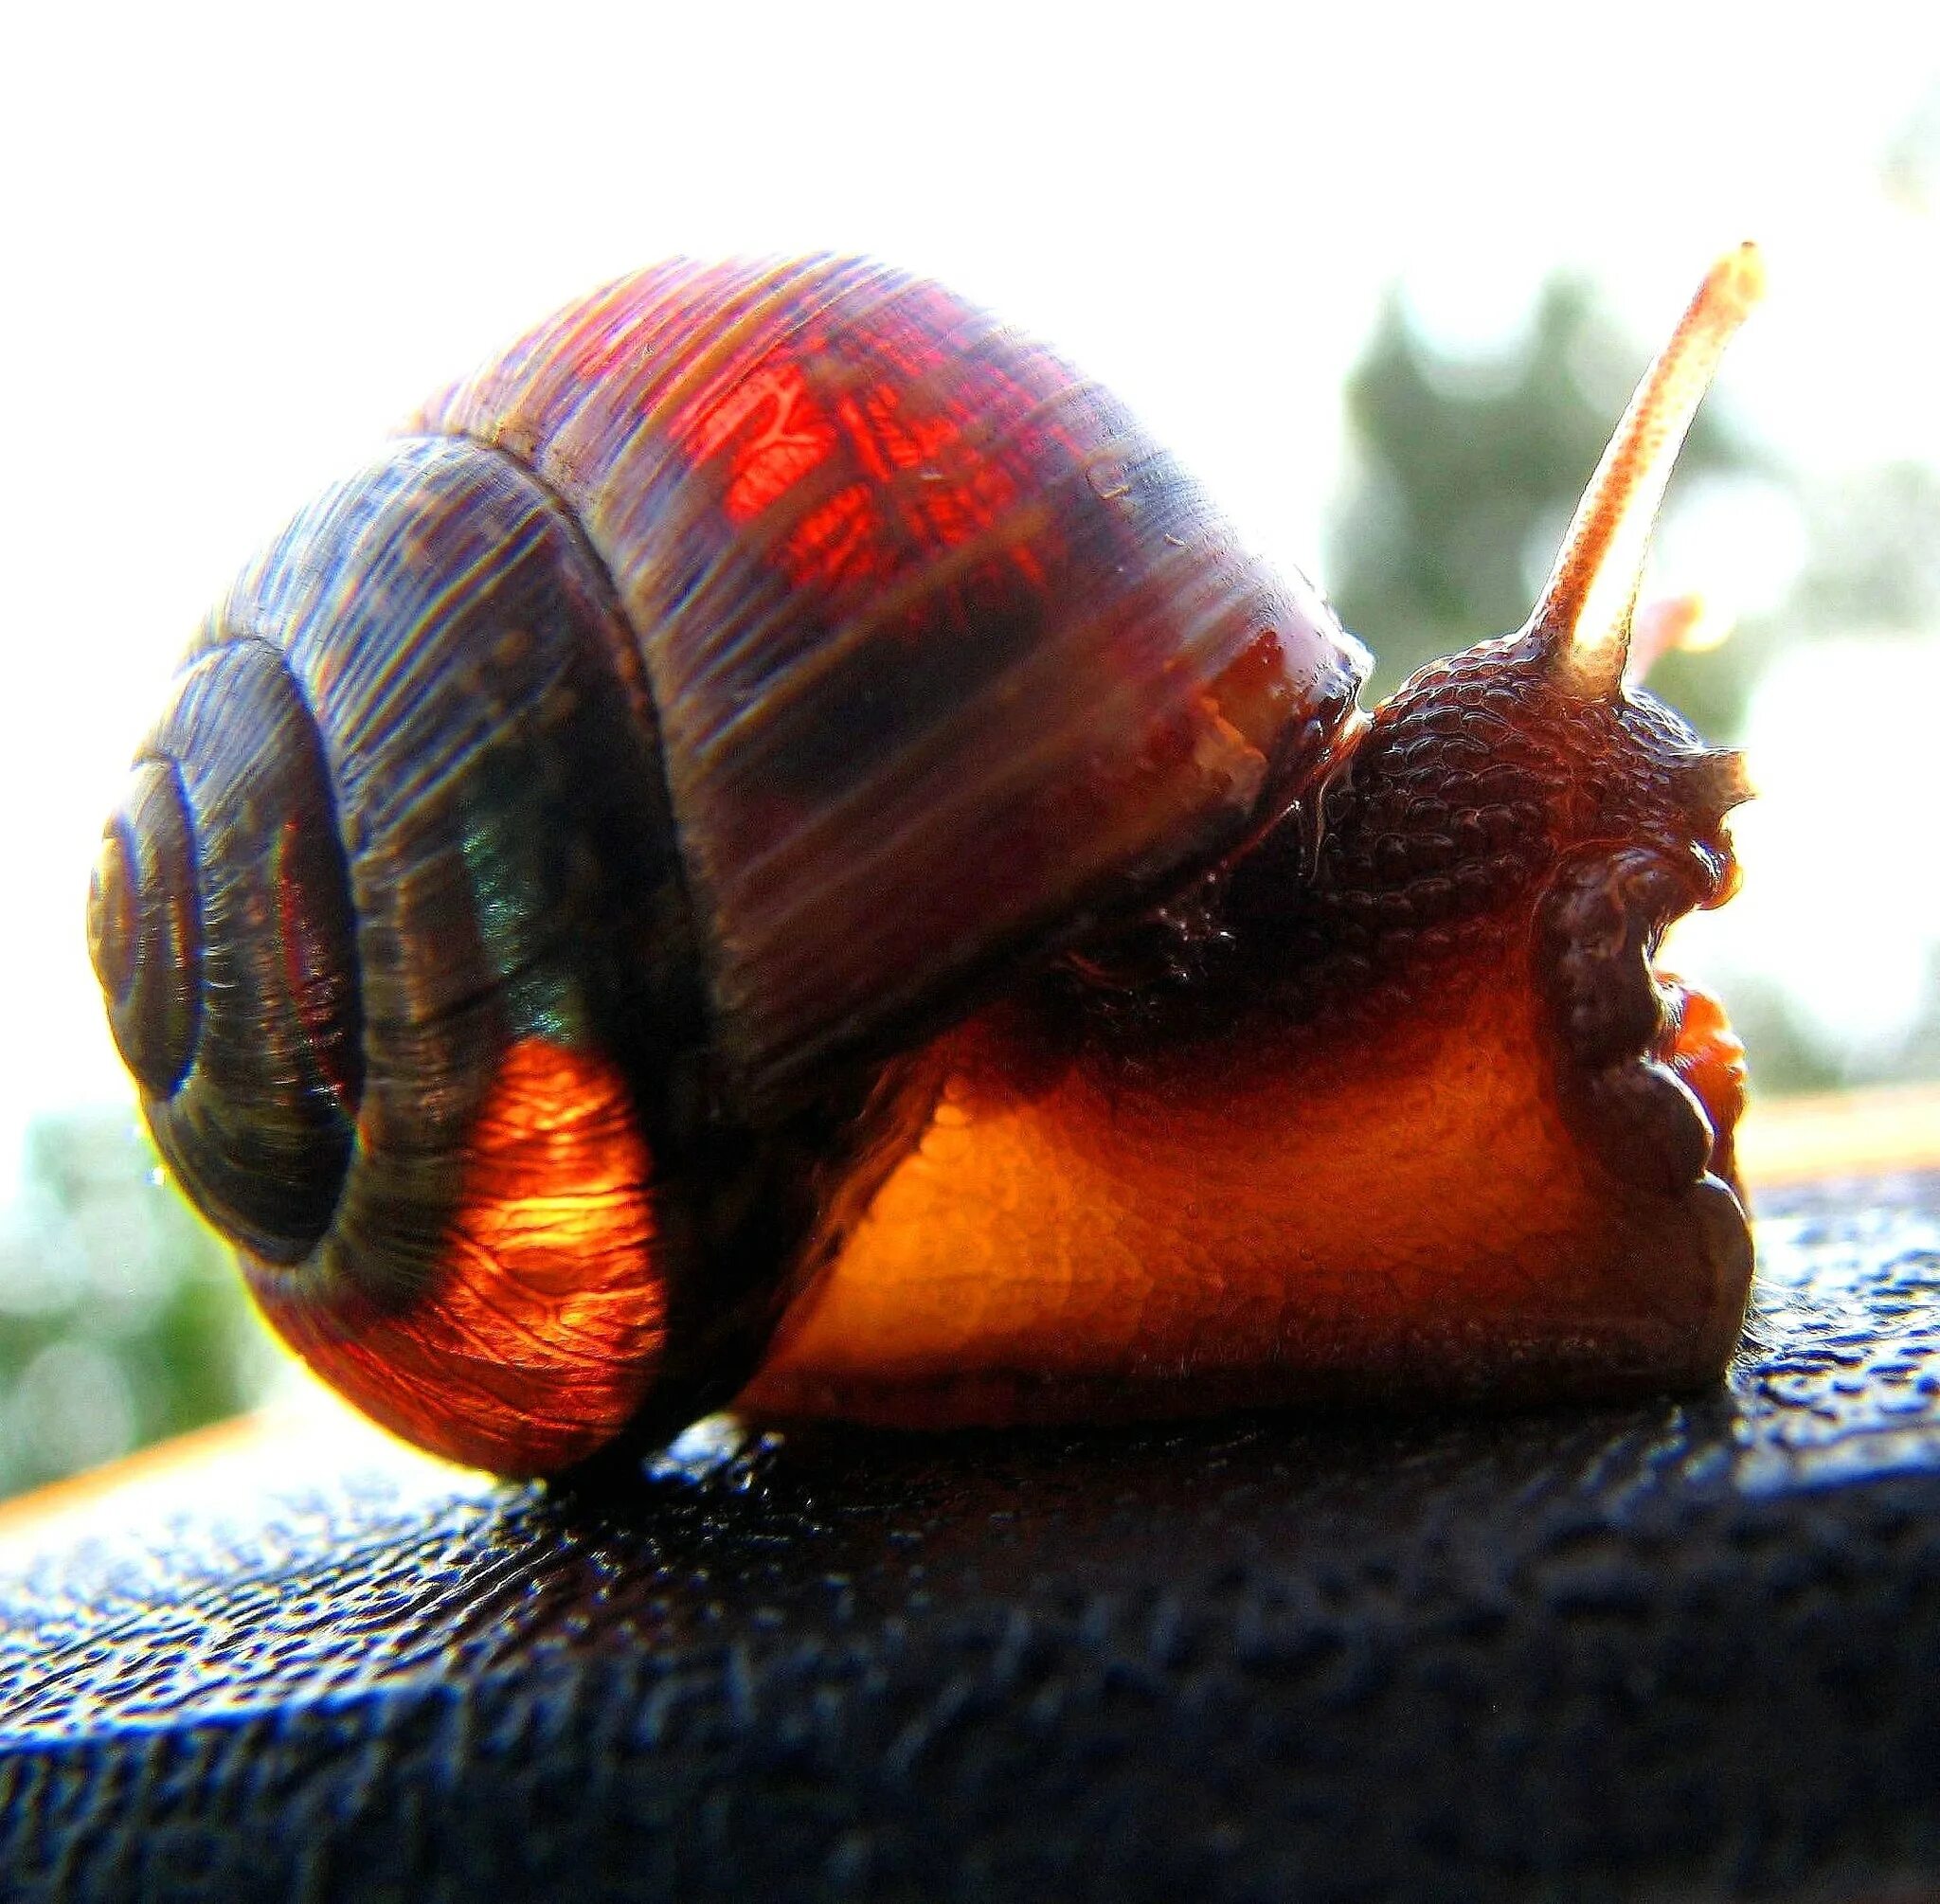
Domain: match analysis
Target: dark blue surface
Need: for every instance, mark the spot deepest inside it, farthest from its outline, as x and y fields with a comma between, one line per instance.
x=1684, y=1650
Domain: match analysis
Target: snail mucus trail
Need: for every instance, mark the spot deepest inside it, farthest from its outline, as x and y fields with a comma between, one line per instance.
x=775, y=847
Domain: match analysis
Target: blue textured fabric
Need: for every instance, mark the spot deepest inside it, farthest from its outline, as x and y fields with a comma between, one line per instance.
x=1684, y=1650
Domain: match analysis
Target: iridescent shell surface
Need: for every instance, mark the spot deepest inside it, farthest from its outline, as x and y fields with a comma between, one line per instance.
x=947, y=654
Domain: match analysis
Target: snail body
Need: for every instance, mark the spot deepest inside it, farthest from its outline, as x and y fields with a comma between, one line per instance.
x=774, y=845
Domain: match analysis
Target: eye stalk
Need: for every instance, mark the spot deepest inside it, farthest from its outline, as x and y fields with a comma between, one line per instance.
x=1583, y=618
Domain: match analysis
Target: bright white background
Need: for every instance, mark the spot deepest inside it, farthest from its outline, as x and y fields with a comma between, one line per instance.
x=238, y=245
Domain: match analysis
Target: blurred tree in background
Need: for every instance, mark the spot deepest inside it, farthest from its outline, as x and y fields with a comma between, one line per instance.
x=1872, y=558
x=121, y=1318
x=1466, y=473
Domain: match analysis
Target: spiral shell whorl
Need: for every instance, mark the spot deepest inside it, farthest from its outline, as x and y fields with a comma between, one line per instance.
x=442, y=1134
x=144, y=928
x=261, y=1118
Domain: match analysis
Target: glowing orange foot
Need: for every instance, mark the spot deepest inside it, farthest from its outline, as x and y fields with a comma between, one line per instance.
x=1425, y=1207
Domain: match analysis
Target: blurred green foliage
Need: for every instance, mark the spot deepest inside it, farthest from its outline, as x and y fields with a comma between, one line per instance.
x=1872, y=556
x=122, y=1316
x=1466, y=473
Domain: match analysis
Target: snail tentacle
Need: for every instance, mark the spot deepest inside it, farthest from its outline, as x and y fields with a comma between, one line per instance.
x=1582, y=619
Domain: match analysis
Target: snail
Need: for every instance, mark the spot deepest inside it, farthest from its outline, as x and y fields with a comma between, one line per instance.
x=775, y=846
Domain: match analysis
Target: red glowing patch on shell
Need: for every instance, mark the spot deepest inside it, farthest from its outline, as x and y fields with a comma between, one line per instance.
x=541, y=1331
x=863, y=475
x=772, y=435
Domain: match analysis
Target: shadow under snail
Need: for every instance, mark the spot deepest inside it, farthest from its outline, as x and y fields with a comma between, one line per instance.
x=774, y=846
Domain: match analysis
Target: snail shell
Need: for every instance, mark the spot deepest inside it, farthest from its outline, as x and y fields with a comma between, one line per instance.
x=625, y=868
x=717, y=689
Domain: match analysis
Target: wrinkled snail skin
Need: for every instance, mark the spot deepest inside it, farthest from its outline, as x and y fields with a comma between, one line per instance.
x=776, y=846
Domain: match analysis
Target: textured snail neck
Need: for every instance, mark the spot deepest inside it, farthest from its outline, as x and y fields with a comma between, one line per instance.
x=1427, y=856
x=1476, y=781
